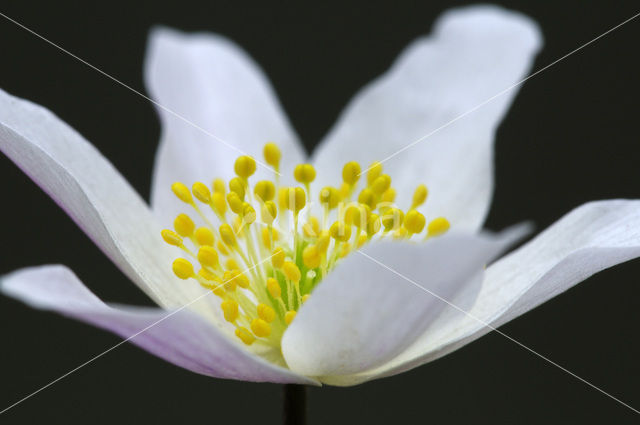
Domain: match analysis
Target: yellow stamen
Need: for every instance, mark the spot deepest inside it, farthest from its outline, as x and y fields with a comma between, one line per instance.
x=351, y=173
x=304, y=173
x=274, y=288
x=272, y=155
x=182, y=192
x=184, y=225
x=437, y=227
x=230, y=310
x=264, y=190
x=204, y=236
x=208, y=257
x=171, y=237
x=201, y=192
x=260, y=328
x=244, y=334
x=289, y=316
x=245, y=166
x=419, y=196
x=266, y=313
x=182, y=268
x=414, y=222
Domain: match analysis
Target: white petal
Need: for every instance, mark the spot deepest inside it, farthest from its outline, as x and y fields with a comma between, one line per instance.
x=473, y=54
x=94, y=195
x=180, y=337
x=364, y=314
x=589, y=239
x=210, y=82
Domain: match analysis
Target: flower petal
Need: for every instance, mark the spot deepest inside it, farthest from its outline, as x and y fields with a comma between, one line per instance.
x=93, y=193
x=589, y=239
x=474, y=54
x=364, y=314
x=179, y=337
x=204, y=80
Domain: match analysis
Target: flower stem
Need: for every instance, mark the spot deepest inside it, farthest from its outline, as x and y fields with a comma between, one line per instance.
x=294, y=404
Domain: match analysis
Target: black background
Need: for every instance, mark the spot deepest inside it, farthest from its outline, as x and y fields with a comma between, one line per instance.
x=571, y=136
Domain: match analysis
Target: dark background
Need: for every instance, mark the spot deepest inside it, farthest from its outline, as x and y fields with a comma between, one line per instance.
x=571, y=136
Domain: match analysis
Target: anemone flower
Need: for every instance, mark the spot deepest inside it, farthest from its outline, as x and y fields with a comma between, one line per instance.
x=271, y=266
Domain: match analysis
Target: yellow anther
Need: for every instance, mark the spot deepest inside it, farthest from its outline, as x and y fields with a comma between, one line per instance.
x=227, y=235
x=419, y=196
x=272, y=155
x=437, y=226
x=277, y=258
x=388, y=196
x=219, y=186
x=381, y=184
x=392, y=219
x=201, y=192
x=244, y=334
x=213, y=281
x=362, y=239
x=351, y=173
x=238, y=226
x=291, y=271
x=312, y=227
x=323, y=242
x=238, y=278
x=269, y=212
x=330, y=196
x=231, y=264
x=230, y=309
x=237, y=186
x=235, y=202
x=345, y=191
x=283, y=198
x=222, y=248
x=204, y=236
x=171, y=237
x=206, y=275
x=208, y=257
x=304, y=173
x=266, y=234
x=229, y=281
x=266, y=313
x=414, y=222
x=340, y=231
x=184, y=225
x=375, y=169
x=295, y=199
x=182, y=192
x=305, y=298
x=182, y=268
x=367, y=197
x=345, y=250
x=219, y=203
x=260, y=328
x=248, y=213
x=373, y=224
x=265, y=190
x=289, y=316
x=274, y=288
x=357, y=215
x=311, y=256
x=245, y=166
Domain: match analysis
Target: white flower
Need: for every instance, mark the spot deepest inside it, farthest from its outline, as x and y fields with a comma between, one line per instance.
x=362, y=321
